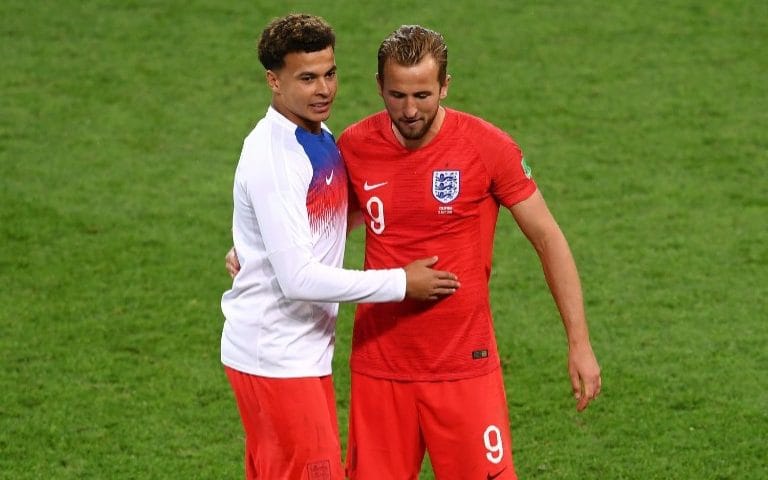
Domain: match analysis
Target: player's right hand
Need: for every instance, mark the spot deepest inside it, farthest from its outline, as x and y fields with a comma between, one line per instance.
x=231, y=262
x=426, y=283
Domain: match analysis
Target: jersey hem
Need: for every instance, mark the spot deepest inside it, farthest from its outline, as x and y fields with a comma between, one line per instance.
x=425, y=377
x=260, y=372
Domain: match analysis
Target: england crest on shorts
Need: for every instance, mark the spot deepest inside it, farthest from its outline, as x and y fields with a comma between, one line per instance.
x=445, y=185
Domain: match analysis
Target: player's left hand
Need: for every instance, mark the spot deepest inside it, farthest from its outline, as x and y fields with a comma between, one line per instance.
x=585, y=375
x=425, y=283
x=231, y=263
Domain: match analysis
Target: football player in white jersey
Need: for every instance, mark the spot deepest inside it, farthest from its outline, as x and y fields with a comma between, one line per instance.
x=289, y=227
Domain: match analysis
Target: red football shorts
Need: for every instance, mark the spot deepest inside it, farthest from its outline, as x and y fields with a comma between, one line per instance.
x=291, y=429
x=463, y=424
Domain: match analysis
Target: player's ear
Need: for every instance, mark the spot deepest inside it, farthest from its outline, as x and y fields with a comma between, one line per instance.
x=273, y=81
x=444, y=87
x=379, y=85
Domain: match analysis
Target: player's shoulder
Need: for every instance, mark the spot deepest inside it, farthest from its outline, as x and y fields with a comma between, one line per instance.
x=363, y=129
x=477, y=126
x=257, y=142
x=482, y=134
x=273, y=131
x=270, y=142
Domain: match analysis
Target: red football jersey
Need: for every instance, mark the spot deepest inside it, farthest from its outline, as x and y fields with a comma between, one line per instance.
x=442, y=199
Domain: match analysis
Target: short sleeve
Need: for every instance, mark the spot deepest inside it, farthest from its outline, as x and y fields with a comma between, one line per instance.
x=511, y=179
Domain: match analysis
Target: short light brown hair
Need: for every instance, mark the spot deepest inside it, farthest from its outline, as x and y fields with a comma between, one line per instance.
x=409, y=44
x=297, y=32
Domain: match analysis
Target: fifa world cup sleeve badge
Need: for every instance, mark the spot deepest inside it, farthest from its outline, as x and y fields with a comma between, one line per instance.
x=526, y=167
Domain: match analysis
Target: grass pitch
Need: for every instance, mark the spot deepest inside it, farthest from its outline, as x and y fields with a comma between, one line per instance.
x=645, y=126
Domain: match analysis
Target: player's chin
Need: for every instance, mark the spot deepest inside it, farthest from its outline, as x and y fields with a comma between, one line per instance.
x=411, y=130
x=319, y=111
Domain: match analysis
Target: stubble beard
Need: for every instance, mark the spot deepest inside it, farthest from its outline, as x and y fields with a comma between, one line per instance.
x=418, y=134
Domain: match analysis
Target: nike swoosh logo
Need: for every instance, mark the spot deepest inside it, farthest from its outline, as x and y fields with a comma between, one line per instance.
x=368, y=188
x=491, y=477
x=328, y=180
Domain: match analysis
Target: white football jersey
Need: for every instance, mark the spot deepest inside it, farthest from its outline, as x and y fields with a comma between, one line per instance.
x=289, y=228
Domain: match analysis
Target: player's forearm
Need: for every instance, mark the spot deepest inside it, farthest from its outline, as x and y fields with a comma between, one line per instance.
x=563, y=279
x=303, y=278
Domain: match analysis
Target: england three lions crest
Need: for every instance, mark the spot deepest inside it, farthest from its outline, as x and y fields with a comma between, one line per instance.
x=445, y=185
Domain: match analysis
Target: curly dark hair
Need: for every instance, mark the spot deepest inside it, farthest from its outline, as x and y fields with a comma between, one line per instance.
x=409, y=44
x=297, y=32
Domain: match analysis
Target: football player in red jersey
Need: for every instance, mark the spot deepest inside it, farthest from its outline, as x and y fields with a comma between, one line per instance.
x=431, y=179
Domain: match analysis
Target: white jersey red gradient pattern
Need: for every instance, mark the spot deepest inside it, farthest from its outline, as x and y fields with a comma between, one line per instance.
x=289, y=228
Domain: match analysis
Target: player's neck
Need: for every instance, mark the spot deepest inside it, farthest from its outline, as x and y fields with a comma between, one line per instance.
x=429, y=135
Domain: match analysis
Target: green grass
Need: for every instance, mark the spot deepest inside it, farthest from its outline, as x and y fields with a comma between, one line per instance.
x=120, y=126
